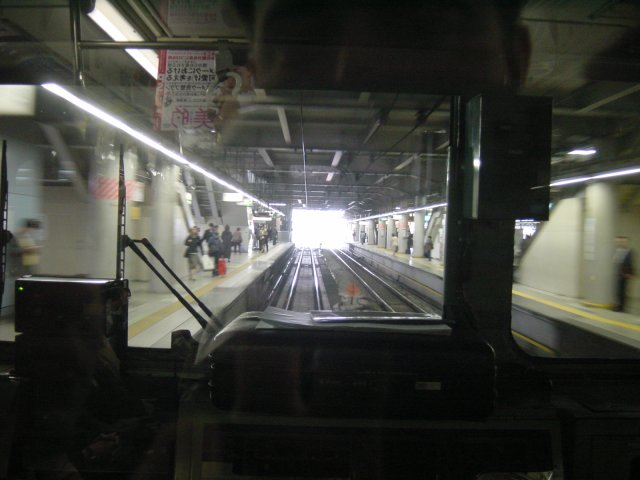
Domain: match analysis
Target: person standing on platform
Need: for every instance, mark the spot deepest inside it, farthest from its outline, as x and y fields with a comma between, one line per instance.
x=215, y=249
x=428, y=246
x=29, y=247
x=264, y=240
x=207, y=234
x=236, y=241
x=226, y=242
x=363, y=237
x=623, y=260
x=409, y=243
x=193, y=244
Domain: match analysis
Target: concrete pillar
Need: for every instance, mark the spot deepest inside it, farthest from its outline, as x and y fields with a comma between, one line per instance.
x=371, y=233
x=418, y=234
x=391, y=229
x=403, y=232
x=382, y=233
x=163, y=186
x=601, y=212
x=103, y=180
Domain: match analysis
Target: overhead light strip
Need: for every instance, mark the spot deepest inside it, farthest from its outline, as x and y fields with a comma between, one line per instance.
x=585, y=152
x=599, y=176
x=120, y=125
x=568, y=181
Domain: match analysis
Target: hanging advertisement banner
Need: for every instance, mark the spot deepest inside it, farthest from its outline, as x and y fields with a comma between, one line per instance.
x=183, y=79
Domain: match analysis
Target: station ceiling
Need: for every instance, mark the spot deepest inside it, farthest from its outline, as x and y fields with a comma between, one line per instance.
x=362, y=150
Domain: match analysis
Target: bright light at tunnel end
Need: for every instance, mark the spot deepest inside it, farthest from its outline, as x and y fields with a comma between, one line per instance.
x=313, y=228
x=120, y=125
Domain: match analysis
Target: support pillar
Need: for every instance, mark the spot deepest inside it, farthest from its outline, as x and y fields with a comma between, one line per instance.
x=391, y=228
x=163, y=186
x=371, y=233
x=418, y=234
x=601, y=212
x=403, y=233
x=103, y=181
x=382, y=233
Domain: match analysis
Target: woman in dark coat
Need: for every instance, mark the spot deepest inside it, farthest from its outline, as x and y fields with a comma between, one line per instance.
x=226, y=243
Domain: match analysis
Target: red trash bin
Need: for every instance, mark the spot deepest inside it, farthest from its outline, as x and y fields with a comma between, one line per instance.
x=222, y=266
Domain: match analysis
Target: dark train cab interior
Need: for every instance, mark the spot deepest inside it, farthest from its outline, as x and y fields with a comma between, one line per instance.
x=483, y=107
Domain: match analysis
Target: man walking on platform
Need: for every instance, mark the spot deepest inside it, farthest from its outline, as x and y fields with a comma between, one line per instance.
x=623, y=260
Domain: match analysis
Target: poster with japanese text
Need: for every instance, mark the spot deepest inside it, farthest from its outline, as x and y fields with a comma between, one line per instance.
x=181, y=92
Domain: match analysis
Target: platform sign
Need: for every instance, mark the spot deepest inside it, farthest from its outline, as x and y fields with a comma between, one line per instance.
x=183, y=79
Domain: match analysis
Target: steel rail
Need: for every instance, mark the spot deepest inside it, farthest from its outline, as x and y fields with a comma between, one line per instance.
x=294, y=282
x=368, y=287
x=393, y=289
x=276, y=290
x=316, y=282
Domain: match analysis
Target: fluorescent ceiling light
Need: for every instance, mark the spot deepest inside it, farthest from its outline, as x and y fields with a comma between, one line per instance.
x=583, y=151
x=405, y=163
x=261, y=219
x=330, y=177
x=145, y=139
x=381, y=179
x=284, y=125
x=119, y=29
x=336, y=158
x=373, y=130
x=265, y=156
x=278, y=204
x=615, y=173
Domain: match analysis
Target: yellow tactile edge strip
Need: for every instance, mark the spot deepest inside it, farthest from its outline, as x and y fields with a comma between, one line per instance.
x=608, y=306
x=580, y=313
x=531, y=341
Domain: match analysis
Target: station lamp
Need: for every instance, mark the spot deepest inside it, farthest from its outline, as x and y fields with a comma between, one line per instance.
x=111, y=21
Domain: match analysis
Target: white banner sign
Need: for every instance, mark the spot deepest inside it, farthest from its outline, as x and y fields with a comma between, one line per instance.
x=183, y=79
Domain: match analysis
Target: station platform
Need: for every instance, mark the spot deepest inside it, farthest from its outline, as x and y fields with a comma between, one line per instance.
x=153, y=316
x=620, y=327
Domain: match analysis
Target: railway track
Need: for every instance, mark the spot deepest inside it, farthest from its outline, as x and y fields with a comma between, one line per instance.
x=334, y=280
